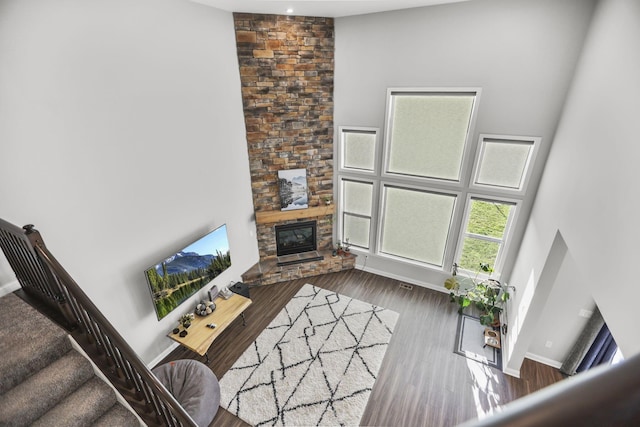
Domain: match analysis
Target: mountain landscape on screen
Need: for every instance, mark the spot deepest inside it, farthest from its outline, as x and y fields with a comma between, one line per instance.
x=184, y=262
x=176, y=278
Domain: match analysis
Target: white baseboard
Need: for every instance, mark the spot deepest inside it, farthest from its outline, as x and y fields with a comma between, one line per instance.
x=512, y=372
x=544, y=360
x=162, y=355
x=406, y=280
x=7, y=288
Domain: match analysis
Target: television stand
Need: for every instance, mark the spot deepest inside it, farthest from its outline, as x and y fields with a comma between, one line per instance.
x=199, y=336
x=299, y=258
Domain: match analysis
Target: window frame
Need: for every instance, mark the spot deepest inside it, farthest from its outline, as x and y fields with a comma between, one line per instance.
x=528, y=170
x=506, y=238
x=342, y=131
x=453, y=224
x=340, y=211
x=468, y=145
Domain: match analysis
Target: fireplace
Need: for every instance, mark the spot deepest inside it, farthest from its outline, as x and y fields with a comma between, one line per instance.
x=296, y=238
x=296, y=243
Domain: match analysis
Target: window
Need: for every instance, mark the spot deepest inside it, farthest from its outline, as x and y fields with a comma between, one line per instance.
x=357, y=204
x=357, y=160
x=415, y=224
x=487, y=223
x=504, y=162
x=420, y=197
x=358, y=149
x=427, y=133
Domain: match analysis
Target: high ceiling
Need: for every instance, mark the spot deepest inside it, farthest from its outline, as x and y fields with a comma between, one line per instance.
x=324, y=8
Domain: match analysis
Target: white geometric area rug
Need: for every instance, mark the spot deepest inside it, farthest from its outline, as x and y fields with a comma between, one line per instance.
x=315, y=364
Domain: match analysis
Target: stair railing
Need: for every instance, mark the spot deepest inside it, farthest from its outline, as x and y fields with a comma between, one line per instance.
x=42, y=276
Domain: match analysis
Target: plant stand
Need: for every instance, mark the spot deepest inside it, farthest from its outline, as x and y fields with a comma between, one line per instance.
x=491, y=338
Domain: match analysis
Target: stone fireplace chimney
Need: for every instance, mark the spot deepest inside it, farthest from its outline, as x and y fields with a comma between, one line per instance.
x=286, y=71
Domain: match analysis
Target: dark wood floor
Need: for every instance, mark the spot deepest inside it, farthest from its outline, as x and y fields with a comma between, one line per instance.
x=421, y=381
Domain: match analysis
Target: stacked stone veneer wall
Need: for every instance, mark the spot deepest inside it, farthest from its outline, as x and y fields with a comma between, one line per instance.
x=286, y=71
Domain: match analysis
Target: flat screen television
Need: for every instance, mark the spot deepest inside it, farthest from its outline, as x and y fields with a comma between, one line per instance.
x=173, y=280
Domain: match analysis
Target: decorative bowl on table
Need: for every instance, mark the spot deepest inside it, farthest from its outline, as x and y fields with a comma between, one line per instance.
x=205, y=308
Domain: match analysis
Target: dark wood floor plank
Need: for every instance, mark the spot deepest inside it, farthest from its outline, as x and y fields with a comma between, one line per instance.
x=421, y=381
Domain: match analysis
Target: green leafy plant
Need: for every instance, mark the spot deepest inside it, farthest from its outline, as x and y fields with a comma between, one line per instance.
x=486, y=294
x=185, y=319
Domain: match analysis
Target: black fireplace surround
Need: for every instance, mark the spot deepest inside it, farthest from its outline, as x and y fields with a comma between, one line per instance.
x=295, y=238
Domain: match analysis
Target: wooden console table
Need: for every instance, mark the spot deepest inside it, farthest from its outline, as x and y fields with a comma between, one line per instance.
x=199, y=336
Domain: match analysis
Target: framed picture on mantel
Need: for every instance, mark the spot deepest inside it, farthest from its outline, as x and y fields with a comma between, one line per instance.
x=293, y=189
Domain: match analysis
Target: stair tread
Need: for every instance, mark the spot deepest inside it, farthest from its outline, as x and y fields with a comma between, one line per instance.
x=118, y=415
x=82, y=407
x=28, y=341
x=41, y=391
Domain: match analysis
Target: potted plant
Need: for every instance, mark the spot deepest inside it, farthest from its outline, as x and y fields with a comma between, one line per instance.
x=486, y=294
x=185, y=320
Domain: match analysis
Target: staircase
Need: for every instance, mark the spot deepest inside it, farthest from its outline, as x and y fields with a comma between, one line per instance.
x=44, y=381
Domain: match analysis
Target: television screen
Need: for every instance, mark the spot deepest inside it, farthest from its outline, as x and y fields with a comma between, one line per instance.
x=173, y=280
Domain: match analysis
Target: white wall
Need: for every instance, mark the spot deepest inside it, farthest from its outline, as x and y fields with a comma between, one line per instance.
x=8, y=282
x=122, y=139
x=589, y=191
x=552, y=341
x=522, y=53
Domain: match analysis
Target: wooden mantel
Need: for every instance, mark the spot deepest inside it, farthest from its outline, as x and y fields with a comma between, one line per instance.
x=269, y=217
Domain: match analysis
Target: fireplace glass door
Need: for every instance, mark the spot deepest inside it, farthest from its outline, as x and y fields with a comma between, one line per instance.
x=296, y=238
